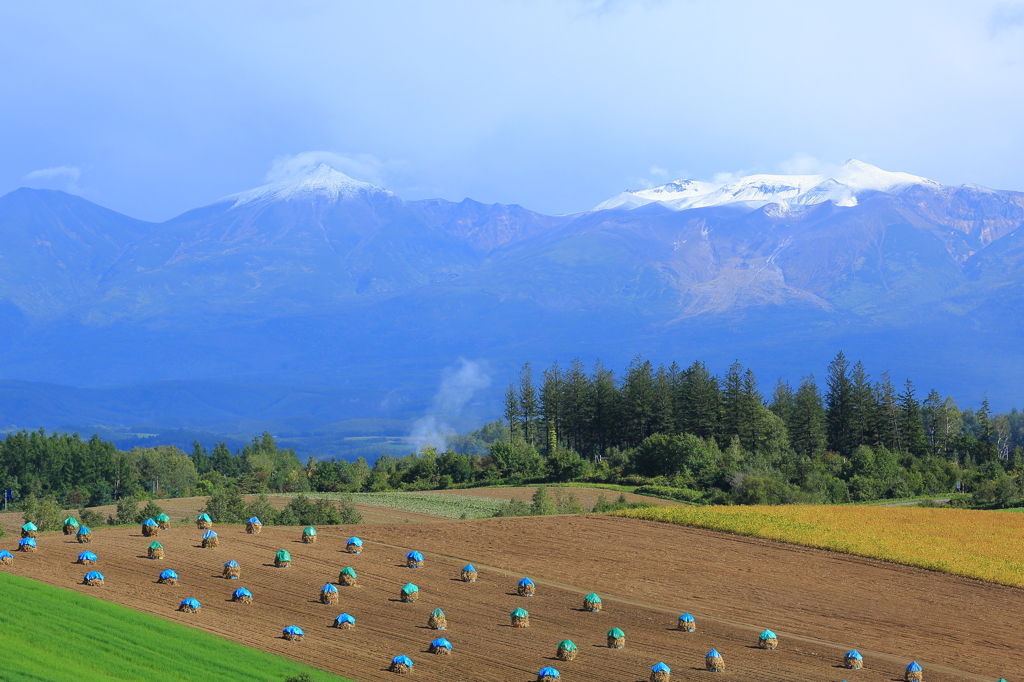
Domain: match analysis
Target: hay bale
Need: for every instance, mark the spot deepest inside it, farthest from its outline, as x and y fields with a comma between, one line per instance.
x=547, y=674
x=86, y=559
x=232, y=571
x=437, y=620
x=687, y=623
x=713, y=662
x=526, y=588
x=189, y=605
x=345, y=622
x=348, y=577
x=210, y=543
x=168, y=577
x=163, y=521
x=441, y=646
x=281, y=564
x=242, y=596
x=204, y=522
x=329, y=594
x=29, y=534
x=253, y=528
x=409, y=593
x=6, y=558
x=914, y=672
x=150, y=531
x=354, y=545
x=70, y=529
x=93, y=582
x=155, y=551
x=853, y=660
x=309, y=539
x=592, y=603
x=468, y=574
x=414, y=559
x=282, y=559
x=566, y=650
x=767, y=640
x=616, y=639
x=93, y=578
x=27, y=545
x=84, y=535
x=400, y=664
x=520, y=618
x=293, y=633
x=660, y=672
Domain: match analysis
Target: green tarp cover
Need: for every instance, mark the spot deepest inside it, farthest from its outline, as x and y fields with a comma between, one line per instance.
x=283, y=555
x=204, y=517
x=616, y=633
x=437, y=612
x=567, y=645
x=29, y=526
x=349, y=571
x=163, y=518
x=592, y=599
x=309, y=530
x=520, y=613
x=768, y=634
x=71, y=521
x=156, y=545
x=409, y=588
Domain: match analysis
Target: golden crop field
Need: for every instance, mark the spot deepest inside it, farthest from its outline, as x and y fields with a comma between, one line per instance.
x=987, y=545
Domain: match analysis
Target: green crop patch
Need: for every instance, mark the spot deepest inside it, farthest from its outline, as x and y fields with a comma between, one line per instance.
x=54, y=635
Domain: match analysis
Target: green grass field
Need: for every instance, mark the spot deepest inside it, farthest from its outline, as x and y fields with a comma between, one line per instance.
x=55, y=635
x=434, y=504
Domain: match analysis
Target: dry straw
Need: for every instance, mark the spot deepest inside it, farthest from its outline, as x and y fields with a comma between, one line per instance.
x=6, y=558
x=914, y=672
x=616, y=639
x=70, y=525
x=86, y=558
x=189, y=605
x=282, y=559
x=29, y=530
x=436, y=620
x=210, y=540
x=27, y=545
x=441, y=646
x=566, y=650
x=232, y=570
x=401, y=665
x=520, y=618
x=547, y=674
x=163, y=521
x=345, y=622
x=409, y=593
x=348, y=577
x=150, y=528
x=767, y=640
x=309, y=535
x=713, y=662
x=414, y=559
x=242, y=596
x=253, y=526
x=93, y=578
x=526, y=588
x=293, y=634
x=469, y=573
x=155, y=550
x=687, y=623
x=204, y=522
x=592, y=603
x=329, y=594
x=660, y=673
x=354, y=545
x=853, y=660
x=84, y=535
x=168, y=577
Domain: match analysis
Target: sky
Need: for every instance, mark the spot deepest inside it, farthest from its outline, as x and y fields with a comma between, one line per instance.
x=155, y=108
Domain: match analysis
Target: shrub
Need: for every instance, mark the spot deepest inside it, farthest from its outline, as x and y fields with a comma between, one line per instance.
x=542, y=504
x=261, y=508
x=680, y=494
x=127, y=512
x=603, y=506
x=349, y=514
x=301, y=511
x=90, y=517
x=226, y=506
x=150, y=511
x=44, y=512
x=566, y=502
x=514, y=507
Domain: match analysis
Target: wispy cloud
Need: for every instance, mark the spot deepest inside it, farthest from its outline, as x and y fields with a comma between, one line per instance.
x=365, y=167
x=70, y=174
x=1005, y=18
x=458, y=384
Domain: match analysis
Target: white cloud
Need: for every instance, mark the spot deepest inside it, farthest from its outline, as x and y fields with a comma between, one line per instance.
x=1004, y=18
x=365, y=167
x=458, y=384
x=70, y=174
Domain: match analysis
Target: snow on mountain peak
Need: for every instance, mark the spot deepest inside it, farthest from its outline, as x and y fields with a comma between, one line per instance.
x=840, y=187
x=316, y=182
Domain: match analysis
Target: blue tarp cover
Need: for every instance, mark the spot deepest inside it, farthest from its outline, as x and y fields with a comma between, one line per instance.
x=87, y=556
x=204, y=517
x=913, y=667
x=548, y=672
x=714, y=654
x=94, y=575
x=344, y=618
x=293, y=630
x=469, y=567
x=414, y=555
x=84, y=530
x=329, y=588
x=525, y=581
x=231, y=564
x=209, y=534
x=402, y=659
x=768, y=634
x=168, y=573
x=854, y=654
x=27, y=541
x=255, y=519
x=242, y=592
x=660, y=668
x=354, y=541
x=441, y=642
x=686, y=618
x=4, y=554
x=191, y=601
x=149, y=522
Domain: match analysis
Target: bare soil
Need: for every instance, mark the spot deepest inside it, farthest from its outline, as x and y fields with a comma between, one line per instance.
x=820, y=604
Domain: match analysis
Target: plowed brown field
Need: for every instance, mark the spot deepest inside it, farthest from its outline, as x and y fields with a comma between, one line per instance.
x=819, y=603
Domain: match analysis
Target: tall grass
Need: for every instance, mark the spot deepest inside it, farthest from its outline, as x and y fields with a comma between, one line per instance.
x=987, y=545
x=55, y=635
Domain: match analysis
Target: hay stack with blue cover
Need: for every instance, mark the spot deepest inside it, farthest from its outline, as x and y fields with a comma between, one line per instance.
x=70, y=525
x=767, y=640
x=29, y=530
x=592, y=603
x=468, y=573
x=687, y=623
x=348, y=577
x=6, y=558
x=713, y=661
x=204, y=522
x=616, y=638
x=309, y=535
x=84, y=535
x=328, y=594
x=253, y=526
x=210, y=540
x=86, y=558
x=853, y=660
x=293, y=633
x=547, y=674
x=436, y=620
x=526, y=588
x=168, y=577
x=409, y=593
x=566, y=650
x=232, y=571
x=520, y=618
x=345, y=622
x=27, y=545
x=282, y=559
x=150, y=528
x=190, y=605
x=660, y=673
x=401, y=665
x=163, y=521
x=242, y=596
x=414, y=559
x=155, y=550
x=914, y=672
x=93, y=578
x=354, y=545
x=441, y=646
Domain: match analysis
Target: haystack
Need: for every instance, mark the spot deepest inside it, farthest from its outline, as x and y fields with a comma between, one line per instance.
x=293, y=633
x=328, y=594
x=441, y=646
x=436, y=620
x=660, y=672
x=232, y=571
x=409, y=593
x=767, y=640
x=210, y=540
x=253, y=526
x=520, y=618
x=163, y=521
x=345, y=622
x=348, y=577
x=27, y=545
x=155, y=550
x=84, y=535
x=242, y=595
x=354, y=545
x=713, y=661
x=526, y=588
x=282, y=559
x=6, y=558
x=150, y=528
x=70, y=525
x=168, y=577
x=566, y=650
x=469, y=573
x=616, y=638
x=853, y=660
x=29, y=530
x=592, y=603
x=309, y=535
x=93, y=578
x=547, y=674
x=914, y=672
x=190, y=605
x=400, y=664
x=204, y=522
x=414, y=559
x=86, y=558
x=687, y=623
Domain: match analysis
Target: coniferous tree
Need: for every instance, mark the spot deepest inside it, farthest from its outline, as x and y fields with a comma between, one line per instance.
x=839, y=406
x=528, y=413
x=807, y=425
x=700, y=402
x=605, y=409
x=551, y=395
x=576, y=401
x=911, y=426
x=200, y=459
x=638, y=401
x=782, y=401
x=512, y=412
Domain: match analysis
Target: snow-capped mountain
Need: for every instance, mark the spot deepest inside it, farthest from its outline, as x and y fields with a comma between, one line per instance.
x=321, y=182
x=754, y=191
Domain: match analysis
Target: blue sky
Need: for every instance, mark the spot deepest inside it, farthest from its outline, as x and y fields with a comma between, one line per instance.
x=155, y=108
